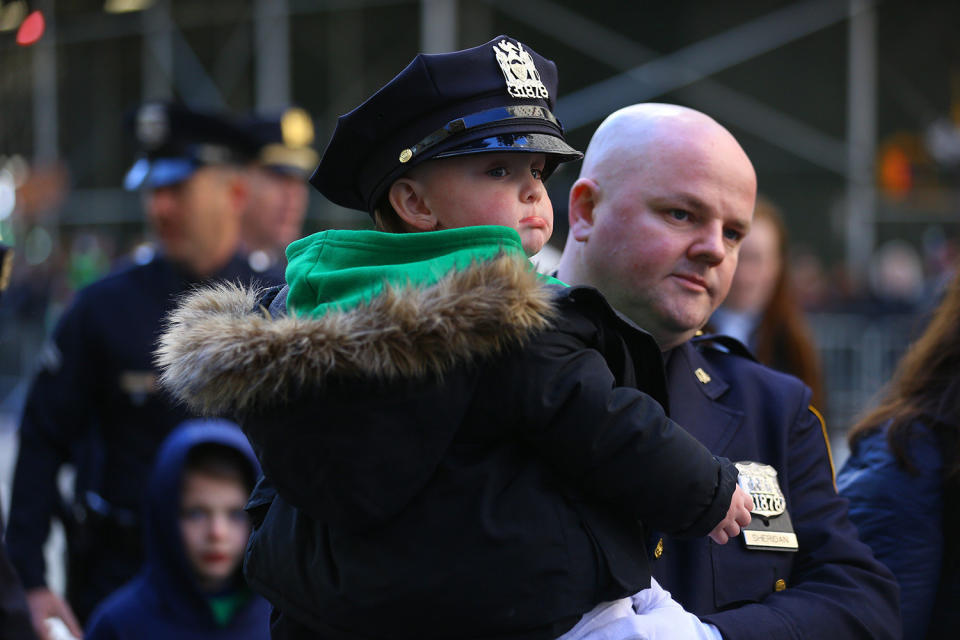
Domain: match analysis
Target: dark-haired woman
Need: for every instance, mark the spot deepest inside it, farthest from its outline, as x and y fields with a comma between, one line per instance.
x=903, y=476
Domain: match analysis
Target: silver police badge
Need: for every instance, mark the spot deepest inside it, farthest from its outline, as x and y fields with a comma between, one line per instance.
x=770, y=527
x=523, y=79
x=153, y=126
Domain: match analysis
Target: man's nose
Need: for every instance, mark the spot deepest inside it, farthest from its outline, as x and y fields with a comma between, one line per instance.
x=709, y=245
x=161, y=202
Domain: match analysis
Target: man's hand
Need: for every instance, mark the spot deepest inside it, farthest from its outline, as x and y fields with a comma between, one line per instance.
x=741, y=504
x=44, y=604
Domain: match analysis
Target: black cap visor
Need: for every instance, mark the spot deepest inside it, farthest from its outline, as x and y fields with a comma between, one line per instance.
x=528, y=128
x=556, y=150
x=529, y=142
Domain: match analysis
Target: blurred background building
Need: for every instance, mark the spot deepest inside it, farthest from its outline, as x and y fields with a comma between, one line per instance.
x=849, y=109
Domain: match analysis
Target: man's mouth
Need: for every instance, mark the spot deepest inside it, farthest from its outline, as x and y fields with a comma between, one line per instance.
x=692, y=281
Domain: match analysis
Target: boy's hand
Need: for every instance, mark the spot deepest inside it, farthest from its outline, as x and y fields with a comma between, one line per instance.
x=741, y=504
x=44, y=604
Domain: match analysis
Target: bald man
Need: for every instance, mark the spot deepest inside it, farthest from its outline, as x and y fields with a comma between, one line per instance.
x=664, y=198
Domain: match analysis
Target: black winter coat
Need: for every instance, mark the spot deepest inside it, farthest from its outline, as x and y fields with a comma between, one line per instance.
x=492, y=485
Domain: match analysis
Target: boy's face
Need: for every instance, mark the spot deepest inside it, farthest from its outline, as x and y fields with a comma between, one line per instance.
x=491, y=189
x=214, y=527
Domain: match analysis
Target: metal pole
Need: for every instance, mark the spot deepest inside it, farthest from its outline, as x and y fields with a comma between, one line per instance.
x=272, y=53
x=861, y=138
x=438, y=26
x=157, y=58
x=46, y=130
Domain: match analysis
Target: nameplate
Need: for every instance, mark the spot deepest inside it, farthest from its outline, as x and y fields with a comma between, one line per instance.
x=770, y=540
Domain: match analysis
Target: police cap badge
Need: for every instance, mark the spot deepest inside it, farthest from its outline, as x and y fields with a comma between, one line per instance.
x=174, y=141
x=284, y=141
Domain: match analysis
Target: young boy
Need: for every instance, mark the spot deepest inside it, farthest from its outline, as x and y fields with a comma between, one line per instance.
x=452, y=446
x=196, y=533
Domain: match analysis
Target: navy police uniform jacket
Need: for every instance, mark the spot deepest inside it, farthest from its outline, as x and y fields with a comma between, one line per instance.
x=97, y=383
x=831, y=587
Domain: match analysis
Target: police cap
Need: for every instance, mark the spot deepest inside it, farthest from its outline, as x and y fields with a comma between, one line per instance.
x=175, y=141
x=495, y=97
x=283, y=141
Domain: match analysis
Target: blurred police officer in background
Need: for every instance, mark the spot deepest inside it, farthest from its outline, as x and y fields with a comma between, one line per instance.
x=278, y=185
x=96, y=382
x=14, y=615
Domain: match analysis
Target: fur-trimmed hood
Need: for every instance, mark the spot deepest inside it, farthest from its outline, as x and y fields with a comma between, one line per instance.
x=222, y=354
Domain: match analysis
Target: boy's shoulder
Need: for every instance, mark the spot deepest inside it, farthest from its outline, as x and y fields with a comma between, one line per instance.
x=631, y=352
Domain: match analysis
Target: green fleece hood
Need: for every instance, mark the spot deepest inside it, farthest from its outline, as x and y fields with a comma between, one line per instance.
x=341, y=269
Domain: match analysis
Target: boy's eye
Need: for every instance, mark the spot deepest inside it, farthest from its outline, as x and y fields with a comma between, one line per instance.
x=537, y=174
x=193, y=514
x=497, y=172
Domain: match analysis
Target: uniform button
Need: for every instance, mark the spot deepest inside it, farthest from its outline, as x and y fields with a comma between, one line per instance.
x=659, y=550
x=780, y=585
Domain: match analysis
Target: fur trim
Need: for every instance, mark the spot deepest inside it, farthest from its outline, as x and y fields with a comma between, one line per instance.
x=220, y=354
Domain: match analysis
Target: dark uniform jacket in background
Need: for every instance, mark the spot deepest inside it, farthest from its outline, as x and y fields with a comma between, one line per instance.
x=97, y=392
x=15, y=621
x=434, y=477
x=832, y=587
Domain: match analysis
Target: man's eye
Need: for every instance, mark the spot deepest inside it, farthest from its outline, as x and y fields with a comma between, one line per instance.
x=497, y=172
x=732, y=234
x=679, y=214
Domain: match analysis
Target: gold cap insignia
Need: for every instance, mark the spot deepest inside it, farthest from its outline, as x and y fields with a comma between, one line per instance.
x=702, y=375
x=405, y=155
x=523, y=79
x=296, y=127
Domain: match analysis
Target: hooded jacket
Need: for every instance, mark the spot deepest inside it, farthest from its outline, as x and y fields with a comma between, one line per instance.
x=163, y=600
x=453, y=445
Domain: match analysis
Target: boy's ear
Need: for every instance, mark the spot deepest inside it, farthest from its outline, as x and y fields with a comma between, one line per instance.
x=583, y=200
x=406, y=196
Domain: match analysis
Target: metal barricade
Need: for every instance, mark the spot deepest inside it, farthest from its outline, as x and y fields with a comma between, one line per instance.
x=858, y=353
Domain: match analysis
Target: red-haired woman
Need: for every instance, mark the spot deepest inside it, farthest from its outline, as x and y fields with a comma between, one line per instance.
x=761, y=309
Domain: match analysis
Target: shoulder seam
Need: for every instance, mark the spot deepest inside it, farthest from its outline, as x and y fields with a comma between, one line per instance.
x=826, y=440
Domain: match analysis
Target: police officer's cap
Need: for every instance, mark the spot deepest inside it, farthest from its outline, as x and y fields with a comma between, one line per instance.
x=283, y=141
x=175, y=141
x=495, y=97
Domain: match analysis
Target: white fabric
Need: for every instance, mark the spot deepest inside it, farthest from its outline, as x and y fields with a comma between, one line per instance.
x=650, y=614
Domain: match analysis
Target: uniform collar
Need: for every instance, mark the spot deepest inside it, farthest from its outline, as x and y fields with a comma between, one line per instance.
x=686, y=360
x=698, y=399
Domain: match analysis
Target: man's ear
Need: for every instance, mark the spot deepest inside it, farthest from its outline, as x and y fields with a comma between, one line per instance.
x=406, y=196
x=583, y=200
x=238, y=190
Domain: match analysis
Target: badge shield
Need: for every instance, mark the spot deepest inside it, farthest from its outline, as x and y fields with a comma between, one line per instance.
x=770, y=527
